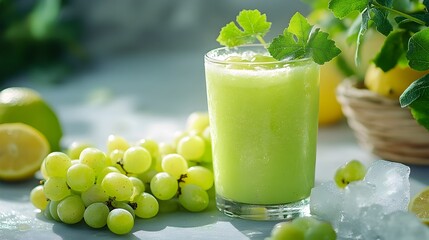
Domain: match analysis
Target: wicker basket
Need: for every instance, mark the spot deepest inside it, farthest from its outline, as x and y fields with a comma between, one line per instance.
x=382, y=126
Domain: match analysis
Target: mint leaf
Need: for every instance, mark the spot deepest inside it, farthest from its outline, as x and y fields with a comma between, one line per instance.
x=381, y=21
x=342, y=8
x=322, y=48
x=299, y=41
x=418, y=50
x=393, y=49
x=299, y=26
x=285, y=47
x=253, y=25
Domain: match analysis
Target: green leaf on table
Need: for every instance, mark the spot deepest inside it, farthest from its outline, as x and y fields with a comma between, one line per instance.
x=252, y=25
x=393, y=49
x=418, y=50
x=381, y=21
x=299, y=40
x=342, y=8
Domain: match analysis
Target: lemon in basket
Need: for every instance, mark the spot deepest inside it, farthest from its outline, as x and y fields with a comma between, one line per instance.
x=22, y=150
x=392, y=83
x=25, y=105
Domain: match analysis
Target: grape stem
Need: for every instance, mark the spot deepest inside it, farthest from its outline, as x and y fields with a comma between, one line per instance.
x=409, y=17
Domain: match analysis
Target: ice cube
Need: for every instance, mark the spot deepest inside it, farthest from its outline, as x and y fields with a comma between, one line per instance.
x=325, y=200
x=357, y=195
x=400, y=225
x=371, y=217
x=392, y=184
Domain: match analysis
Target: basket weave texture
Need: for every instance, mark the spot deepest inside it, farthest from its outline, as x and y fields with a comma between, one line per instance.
x=382, y=127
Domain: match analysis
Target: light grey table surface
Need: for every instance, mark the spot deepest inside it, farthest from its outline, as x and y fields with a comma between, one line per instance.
x=141, y=96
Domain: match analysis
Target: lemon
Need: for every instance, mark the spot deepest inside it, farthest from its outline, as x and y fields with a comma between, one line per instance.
x=22, y=150
x=419, y=205
x=329, y=109
x=392, y=83
x=27, y=106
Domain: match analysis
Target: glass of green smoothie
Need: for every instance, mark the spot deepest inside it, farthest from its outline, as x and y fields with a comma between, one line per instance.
x=263, y=118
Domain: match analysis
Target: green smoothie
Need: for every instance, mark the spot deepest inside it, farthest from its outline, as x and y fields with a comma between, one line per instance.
x=263, y=119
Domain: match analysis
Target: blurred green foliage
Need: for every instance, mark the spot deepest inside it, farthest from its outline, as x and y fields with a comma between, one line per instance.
x=37, y=37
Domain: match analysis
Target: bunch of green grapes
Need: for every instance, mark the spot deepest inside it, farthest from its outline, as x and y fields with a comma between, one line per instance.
x=126, y=181
x=303, y=228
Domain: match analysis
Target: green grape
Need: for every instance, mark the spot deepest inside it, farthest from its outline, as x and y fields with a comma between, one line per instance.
x=305, y=223
x=43, y=170
x=94, y=158
x=191, y=147
x=137, y=160
x=322, y=231
x=56, y=164
x=116, y=157
x=207, y=134
x=163, y=186
x=197, y=121
x=95, y=215
x=200, y=176
x=53, y=205
x=168, y=206
x=124, y=206
x=80, y=177
x=105, y=171
x=193, y=198
x=166, y=148
x=71, y=209
x=76, y=148
x=351, y=171
x=118, y=186
x=120, y=221
x=151, y=145
x=147, y=176
x=75, y=161
x=38, y=198
x=56, y=188
x=147, y=205
x=177, y=137
x=286, y=231
x=175, y=165
x=47, y=212
x=115, y=142
x=94, y=194
x=138, y=186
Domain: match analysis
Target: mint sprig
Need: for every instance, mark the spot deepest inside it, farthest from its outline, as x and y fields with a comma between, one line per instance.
x=300, y=40
x=253, y=25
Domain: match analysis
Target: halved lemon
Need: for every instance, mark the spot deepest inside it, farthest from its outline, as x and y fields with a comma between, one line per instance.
x=419, y=205
x=22, y=150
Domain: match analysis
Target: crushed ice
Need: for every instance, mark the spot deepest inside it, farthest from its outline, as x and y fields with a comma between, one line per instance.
x=374, y=208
